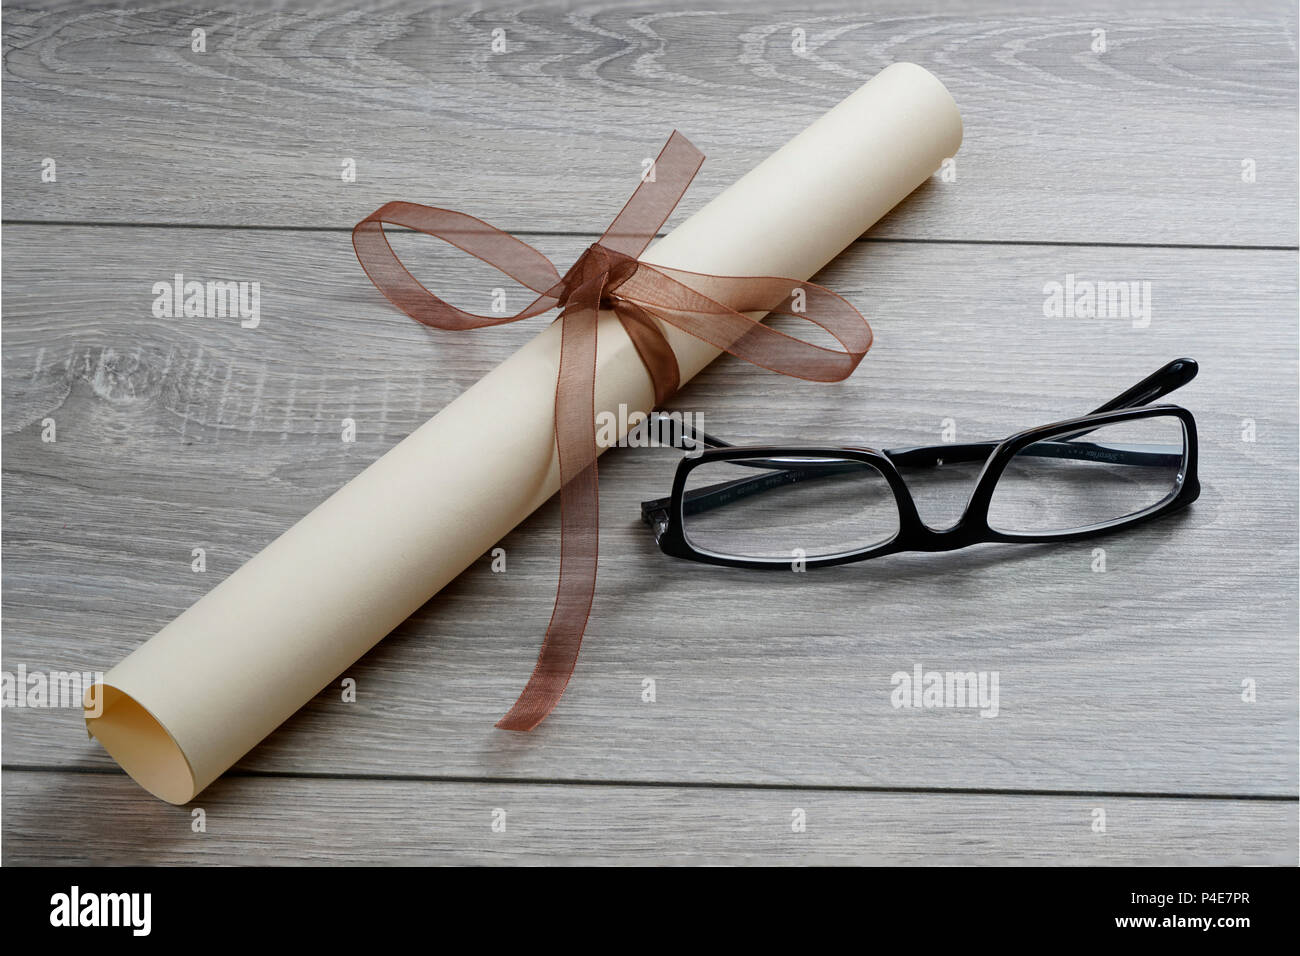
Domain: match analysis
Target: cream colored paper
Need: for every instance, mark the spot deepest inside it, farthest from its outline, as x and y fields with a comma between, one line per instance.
x=190, y=702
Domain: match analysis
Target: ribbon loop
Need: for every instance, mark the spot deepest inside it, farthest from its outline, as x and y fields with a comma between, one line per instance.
x=513, y=257
x=644, y=298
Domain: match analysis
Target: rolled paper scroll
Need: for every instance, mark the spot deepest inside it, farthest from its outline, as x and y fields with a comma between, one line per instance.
x=187, y=704
x=645, y=298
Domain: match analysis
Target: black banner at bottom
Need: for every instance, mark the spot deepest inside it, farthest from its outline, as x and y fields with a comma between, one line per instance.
x=947, y=905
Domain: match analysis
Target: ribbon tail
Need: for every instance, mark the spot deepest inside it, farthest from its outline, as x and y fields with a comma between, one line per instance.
x=575, y=434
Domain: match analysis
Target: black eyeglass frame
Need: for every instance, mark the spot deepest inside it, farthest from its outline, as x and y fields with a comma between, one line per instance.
x=666, y=517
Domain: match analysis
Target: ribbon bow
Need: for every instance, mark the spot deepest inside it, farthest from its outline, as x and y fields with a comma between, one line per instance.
x=609, y=276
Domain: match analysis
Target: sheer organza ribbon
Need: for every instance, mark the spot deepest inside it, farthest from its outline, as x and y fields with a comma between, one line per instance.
x=608, y=276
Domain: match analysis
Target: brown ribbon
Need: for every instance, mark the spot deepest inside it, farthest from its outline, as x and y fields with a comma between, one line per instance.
x=609, y=276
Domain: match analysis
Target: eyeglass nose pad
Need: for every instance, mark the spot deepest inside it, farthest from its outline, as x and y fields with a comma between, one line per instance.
x=958, y=491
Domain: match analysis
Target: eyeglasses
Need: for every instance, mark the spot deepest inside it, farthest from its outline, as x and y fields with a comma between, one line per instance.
x=764, y=506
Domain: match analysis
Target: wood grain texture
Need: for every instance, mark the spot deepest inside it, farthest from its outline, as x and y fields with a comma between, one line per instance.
x=90, y=818
x=1120, y=689
x=1141, y=143
x=176, y=434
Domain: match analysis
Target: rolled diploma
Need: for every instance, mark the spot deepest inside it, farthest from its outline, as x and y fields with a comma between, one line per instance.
x=186, y=705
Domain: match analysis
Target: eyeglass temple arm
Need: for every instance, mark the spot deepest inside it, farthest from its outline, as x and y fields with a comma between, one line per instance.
x=699, y=500
x=1170, y=377
x=726, y=492
x=1167, y=379
x=1059, y=446
x=683, y=434
x=1156, y=385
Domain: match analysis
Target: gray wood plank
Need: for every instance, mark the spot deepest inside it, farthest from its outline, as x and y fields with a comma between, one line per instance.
x=69, y=818
x=1142, y=143
x=175, y=434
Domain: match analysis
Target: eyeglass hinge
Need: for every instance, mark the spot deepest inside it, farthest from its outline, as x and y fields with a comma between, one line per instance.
x=655, y=514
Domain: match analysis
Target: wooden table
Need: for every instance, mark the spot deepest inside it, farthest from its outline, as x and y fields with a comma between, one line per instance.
x=1148, y=711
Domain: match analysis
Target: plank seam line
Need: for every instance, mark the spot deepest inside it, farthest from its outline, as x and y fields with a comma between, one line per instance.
x=587, y=235
x=697, y=785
